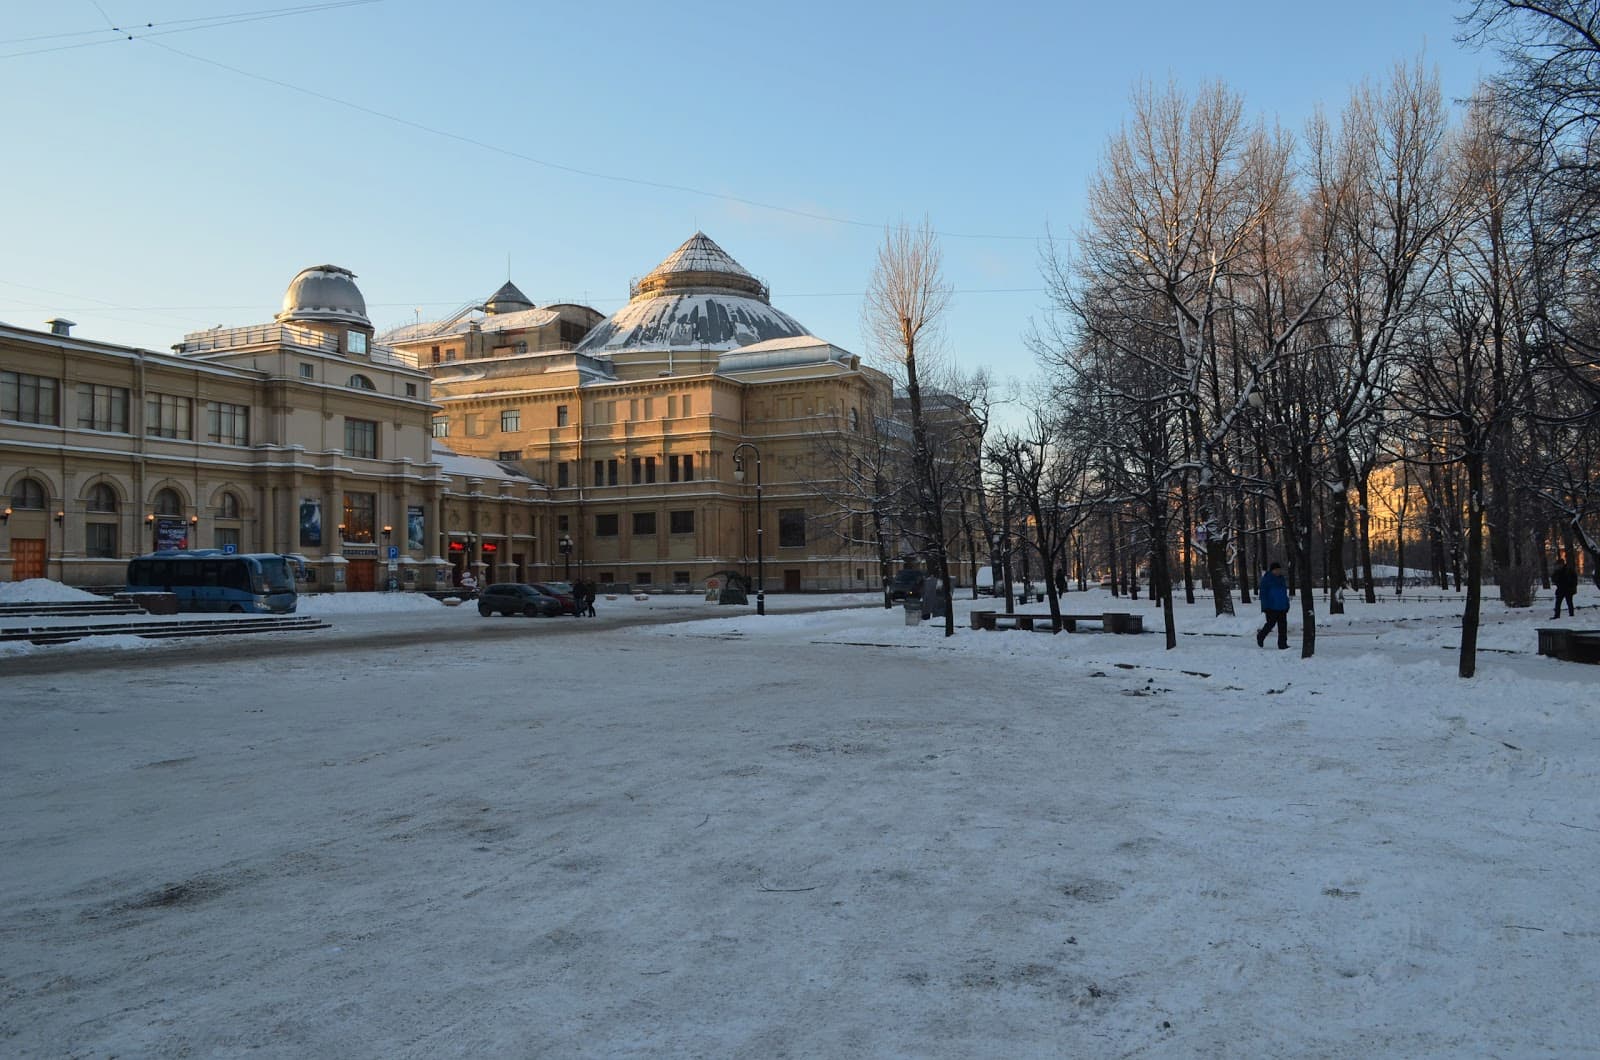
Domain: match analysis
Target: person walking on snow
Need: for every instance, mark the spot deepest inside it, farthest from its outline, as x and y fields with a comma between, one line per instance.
x=1274, y=594
x=1565, y=581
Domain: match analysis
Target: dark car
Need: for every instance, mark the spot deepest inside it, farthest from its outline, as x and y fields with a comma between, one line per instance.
x=511, y=599
x=561, y=592
x=906, y=585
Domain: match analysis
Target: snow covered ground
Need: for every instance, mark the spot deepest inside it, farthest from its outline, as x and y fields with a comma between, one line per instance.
x=684, y=830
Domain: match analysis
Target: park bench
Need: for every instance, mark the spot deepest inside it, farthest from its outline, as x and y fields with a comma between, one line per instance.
x=1570, y=645
x=1110, y=621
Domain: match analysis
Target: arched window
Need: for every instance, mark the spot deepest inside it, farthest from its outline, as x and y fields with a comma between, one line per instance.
x=168, y=502
x=228, y=506
x=27, y=494
x=361, y=382
x=102, y=498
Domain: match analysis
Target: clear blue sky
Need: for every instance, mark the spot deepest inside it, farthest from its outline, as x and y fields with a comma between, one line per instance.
x=148, y=193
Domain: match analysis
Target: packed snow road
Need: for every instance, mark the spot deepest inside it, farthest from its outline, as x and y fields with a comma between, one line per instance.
x=820, y=834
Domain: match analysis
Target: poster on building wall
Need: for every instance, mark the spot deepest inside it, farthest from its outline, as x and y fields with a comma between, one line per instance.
x=310, y=522
x=413, y=528
x=171, y=533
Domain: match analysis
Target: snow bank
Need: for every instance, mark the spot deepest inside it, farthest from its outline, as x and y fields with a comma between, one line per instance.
x=364, y=603
x=39, y=591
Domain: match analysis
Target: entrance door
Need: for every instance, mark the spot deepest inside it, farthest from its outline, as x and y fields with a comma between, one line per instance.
x=27, y=558
x=360, y=575
x=791, y=581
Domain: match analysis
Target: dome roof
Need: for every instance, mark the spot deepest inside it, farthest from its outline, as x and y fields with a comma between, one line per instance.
x=324, y=292
x=700, y=298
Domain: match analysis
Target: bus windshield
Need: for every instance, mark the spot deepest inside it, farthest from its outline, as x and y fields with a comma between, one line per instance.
x=276, y=577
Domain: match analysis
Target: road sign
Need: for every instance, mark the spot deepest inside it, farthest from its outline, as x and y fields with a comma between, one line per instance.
x=228, y=550
x=394, y=553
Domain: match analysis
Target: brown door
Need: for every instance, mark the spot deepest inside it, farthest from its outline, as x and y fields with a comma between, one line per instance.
x=360, y=575
x=27, y=558
x=791, y=581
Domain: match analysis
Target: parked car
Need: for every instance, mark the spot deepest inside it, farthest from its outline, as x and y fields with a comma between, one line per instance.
x=562, y=593
x=906, y=585
x=511, y=599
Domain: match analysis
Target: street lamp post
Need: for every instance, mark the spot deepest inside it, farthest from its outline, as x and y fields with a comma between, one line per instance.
x=738, y=475
x=565, y=545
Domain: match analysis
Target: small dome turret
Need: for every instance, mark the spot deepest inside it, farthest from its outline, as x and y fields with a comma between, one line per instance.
x=324, y=293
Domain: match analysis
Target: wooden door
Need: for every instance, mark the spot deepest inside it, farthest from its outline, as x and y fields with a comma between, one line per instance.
x=28, y=558
x=360, y=576
x=791, y=581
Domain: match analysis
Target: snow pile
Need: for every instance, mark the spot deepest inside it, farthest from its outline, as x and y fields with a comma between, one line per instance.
x=364, y=603
x=41, y=591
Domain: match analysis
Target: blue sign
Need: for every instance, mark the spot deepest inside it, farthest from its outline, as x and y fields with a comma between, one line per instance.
x=228, y=550
x=394, y=551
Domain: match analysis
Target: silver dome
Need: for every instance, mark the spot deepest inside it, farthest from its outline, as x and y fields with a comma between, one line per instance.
x=324, y=292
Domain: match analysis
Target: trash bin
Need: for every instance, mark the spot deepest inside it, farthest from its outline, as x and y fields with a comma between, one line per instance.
x=913, y=611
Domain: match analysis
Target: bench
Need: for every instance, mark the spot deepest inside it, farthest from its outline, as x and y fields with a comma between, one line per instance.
x=1110, y=621
x=1570, y=645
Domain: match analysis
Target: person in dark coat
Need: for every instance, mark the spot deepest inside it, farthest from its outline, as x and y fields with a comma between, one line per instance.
x=1061, y=582
x=1565, y=581
x=932, y=597
x=1274, y=593
x=589, y=591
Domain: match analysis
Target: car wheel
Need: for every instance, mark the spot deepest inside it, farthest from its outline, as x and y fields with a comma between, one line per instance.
x=485, y=611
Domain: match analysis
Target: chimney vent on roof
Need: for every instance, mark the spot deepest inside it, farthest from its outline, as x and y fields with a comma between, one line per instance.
x=61, y=325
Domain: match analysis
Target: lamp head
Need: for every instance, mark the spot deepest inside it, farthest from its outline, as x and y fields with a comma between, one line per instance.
x=61, y=515
x=5, y=516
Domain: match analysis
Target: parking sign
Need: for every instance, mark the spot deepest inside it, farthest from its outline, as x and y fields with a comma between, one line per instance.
x=394, y=552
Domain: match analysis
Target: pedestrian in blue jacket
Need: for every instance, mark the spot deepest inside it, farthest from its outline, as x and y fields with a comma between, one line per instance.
x=1274, y=593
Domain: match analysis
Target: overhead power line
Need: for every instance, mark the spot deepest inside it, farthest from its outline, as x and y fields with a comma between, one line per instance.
x=146, y=30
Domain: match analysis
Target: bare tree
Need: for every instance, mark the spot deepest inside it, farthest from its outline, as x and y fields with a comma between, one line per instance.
x=906, y=300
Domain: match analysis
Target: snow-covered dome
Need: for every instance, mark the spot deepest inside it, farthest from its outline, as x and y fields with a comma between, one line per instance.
x=324, y=292
x=699, y=298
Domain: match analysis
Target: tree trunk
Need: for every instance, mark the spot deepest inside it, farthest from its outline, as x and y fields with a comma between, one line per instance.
x=1470, y=615
x=1362, y=486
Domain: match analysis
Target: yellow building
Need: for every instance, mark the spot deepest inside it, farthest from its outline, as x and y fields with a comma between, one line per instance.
x=301, y=436
x=636, y=430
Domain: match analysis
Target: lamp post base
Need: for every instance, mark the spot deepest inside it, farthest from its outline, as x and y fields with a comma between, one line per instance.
x=761, y=601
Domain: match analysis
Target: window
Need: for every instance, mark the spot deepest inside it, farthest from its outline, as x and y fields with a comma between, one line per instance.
x=167, y=502
x=649, y=408
x=644, y=524
x=28, y=398
x=102, y=498
x=441, y=428
x=611, y=472
x=28, y=494
x=605, y=526
x=680, y=577
x=359, y=512
x=636, y=470
x=791, y=527
x=226, y=423
x=649, y=469
x=599, y=472
x=411, y=390
x=511, y=420
x=223, y=536
x=361, y=382
x=450, y=353
x=228, y=506
x=686, y=406
x=510, y=454
x=643, y=577
x=361, y=438
x=564, y=475
x=855, y=420
x=307, y=371
x=680, y=468
x=561, y=415
x=102, y=408
x=563, y=524
x=681, y=522
x=433, y=353
x=100, y=540
x=672, y=406
x=357, y=341
x=166, y=416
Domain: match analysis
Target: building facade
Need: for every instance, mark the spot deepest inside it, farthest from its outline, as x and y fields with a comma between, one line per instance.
x=638, y=430
x=301, y=436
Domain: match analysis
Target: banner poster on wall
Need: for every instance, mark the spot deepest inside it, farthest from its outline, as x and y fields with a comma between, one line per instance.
x=414, y=527
x=310, y=522
x=171, y=533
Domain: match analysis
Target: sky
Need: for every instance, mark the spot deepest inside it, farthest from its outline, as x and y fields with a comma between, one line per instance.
x=179, y=180
x=814, y=833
